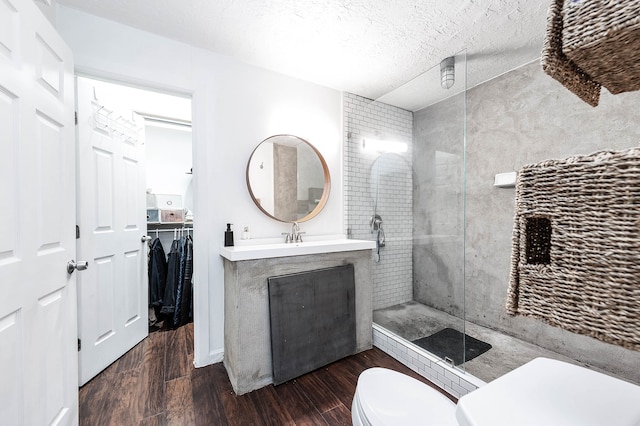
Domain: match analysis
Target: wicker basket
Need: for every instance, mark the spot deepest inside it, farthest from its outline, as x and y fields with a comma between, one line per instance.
x=556, y=64
x=575, y=260
x=602, y=37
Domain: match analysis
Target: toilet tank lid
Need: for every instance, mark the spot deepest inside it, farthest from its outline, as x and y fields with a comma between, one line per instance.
x=551, y=392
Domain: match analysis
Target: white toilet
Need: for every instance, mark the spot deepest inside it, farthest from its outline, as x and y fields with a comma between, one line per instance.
x=541, y=392
x=386, y=397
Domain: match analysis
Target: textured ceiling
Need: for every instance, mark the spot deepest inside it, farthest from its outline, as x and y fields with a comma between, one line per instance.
x=366, y=47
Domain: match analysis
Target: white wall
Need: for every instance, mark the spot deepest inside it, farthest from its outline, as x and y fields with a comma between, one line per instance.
x=169, y=158
x=235, y=106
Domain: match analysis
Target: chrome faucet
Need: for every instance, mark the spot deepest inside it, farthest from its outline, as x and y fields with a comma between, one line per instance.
x=295, y=236
x=295, y=233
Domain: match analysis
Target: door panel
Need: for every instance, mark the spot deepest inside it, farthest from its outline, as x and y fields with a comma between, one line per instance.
x=113, y=293
x=8, y=29
x=51, y=310
x=132, y=193
x=38, y=328
x=49, y=67
x=12, y=352
x=49, y=174
x=103, y=165
x=132, y=294
x=8, y=170
x=102, y=300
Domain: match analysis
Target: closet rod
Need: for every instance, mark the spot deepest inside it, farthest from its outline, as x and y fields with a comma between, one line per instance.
x=152, y=231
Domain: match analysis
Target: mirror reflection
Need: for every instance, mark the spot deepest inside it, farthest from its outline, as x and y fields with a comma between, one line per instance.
x=288, y=178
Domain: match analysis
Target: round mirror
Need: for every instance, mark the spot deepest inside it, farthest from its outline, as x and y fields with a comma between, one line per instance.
x=288, y=179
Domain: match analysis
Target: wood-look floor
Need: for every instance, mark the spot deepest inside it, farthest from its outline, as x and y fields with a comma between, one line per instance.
x=155, y=383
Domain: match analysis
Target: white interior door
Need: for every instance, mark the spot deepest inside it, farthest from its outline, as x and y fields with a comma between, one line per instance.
x=113, y=291
x=38, y=347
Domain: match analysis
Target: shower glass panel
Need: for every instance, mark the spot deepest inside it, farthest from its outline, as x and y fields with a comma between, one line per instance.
x=416, y=197
x=439, y=219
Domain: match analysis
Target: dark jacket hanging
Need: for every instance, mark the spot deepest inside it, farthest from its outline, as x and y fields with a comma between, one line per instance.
x=182, y=311
x=173, y=271
x=157, y=273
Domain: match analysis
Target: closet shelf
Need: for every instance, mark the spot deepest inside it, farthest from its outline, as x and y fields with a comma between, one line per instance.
x=169, y=225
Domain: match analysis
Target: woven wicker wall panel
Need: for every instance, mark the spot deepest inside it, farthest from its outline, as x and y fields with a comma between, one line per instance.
x=575, y=260
x=602, y=37
x=556, y=64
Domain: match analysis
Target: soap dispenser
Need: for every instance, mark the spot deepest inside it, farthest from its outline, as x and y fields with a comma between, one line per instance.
x=228, y=236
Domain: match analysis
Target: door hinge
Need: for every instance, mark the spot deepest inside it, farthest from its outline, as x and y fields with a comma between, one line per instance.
x=76, y=117
x=77, y=232
x=79, y=345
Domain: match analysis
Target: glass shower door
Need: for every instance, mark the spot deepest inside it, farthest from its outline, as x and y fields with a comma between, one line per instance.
x=410, y=199
x=439, y=219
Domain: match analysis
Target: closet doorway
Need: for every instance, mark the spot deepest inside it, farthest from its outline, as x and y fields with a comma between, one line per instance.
x=137, y=146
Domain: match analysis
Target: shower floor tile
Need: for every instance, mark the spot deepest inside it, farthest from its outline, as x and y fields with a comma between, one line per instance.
x=414, y=320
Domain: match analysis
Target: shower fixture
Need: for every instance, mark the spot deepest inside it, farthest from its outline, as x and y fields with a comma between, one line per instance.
x=376, y=226
x=448, y=72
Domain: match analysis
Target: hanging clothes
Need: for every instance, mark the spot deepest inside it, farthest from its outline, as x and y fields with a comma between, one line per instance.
x=173, y=271
x=183, y=302
x=157, y=273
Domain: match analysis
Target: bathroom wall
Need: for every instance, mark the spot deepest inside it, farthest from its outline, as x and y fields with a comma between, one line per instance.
x=388, y=175
x=235, y=106
x=523, y=117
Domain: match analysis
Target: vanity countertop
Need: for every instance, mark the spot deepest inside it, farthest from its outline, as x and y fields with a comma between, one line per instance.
x=264, y=249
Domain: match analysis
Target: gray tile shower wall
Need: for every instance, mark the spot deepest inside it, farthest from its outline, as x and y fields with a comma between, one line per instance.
x=387, y=178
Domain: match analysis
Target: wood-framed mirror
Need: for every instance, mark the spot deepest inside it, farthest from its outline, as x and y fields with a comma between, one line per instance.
x=288, y=179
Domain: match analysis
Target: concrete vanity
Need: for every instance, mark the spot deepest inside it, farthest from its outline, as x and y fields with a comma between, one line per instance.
x=247, y=340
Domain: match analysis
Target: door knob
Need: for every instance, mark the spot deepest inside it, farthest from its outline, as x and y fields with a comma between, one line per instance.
x=145, y=238
x=80, y=265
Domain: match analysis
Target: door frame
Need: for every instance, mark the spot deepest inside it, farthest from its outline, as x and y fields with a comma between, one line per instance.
x=200, y=322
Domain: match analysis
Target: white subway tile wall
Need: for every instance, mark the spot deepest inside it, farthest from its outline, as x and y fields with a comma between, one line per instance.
x=451, y=380
x=381, y=184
